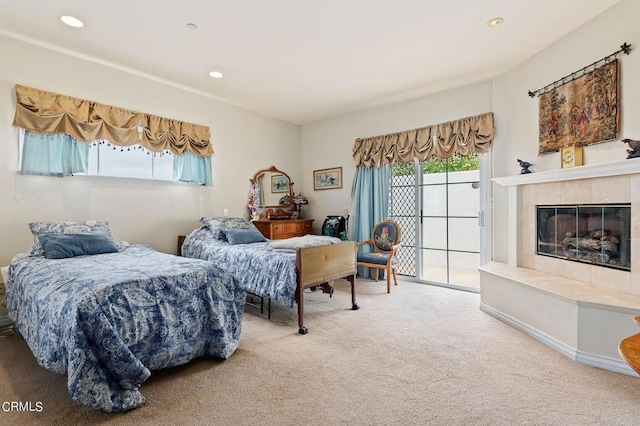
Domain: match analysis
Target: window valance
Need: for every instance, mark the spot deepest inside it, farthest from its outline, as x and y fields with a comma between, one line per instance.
x=464, y=136
x=86, y=121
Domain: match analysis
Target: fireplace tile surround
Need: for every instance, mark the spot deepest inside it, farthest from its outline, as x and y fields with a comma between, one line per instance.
x=580, y=310
x=560, y=187
x=586, y=191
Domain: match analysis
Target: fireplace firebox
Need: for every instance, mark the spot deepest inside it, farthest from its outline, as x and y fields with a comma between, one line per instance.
x=598, y=234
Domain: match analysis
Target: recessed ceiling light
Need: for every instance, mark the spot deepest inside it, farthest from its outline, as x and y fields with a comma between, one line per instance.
x=215, y=74
x=72, y=21
x=191, y=26
x=495, y=22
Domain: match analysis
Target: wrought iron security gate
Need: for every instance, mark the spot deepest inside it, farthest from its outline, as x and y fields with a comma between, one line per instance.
x=437, y=207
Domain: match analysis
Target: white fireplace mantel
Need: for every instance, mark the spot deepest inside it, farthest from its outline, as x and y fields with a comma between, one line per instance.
x=514, y=184
x=583, y=172
x=546, y=298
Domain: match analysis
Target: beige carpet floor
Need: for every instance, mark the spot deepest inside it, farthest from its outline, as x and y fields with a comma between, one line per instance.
x=421, y=355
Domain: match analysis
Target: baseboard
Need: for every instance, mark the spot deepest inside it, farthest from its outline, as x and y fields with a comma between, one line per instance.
x=606, y=363
x=594, y=360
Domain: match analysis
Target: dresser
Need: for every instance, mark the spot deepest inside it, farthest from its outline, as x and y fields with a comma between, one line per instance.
x=284, y=228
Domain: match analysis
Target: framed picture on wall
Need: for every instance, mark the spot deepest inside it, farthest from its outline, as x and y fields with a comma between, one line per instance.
x=279, y=183
x=327, y=178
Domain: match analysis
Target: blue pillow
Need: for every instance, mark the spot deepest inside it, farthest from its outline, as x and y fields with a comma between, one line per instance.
x=244, y=236
x=61, y=246
x=66, y=227
x=217, y=225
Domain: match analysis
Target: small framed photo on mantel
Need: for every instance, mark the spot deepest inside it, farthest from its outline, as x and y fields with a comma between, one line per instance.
x=327, y=178
x=571, y=156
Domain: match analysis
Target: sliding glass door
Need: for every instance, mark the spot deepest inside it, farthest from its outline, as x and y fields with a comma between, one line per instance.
x=438, y=204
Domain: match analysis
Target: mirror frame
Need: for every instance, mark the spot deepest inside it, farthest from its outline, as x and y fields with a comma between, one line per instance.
x=273, y=169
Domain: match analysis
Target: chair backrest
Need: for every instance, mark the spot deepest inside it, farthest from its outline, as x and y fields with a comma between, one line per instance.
x=385, y=235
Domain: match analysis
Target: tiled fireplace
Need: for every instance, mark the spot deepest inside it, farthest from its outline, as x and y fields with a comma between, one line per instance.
x=589, y=190
x=596, y=234
x=572, y=276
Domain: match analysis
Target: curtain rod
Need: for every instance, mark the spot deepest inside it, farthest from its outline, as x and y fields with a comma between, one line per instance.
x=624, y=48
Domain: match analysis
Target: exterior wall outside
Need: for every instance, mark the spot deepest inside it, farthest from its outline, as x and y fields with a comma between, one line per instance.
x=464, y=201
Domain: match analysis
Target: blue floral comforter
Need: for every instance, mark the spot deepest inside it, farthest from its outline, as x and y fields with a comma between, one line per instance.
x=263, y=271
x=106, y=320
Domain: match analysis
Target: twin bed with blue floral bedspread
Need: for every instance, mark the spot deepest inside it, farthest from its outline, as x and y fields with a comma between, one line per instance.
x=264, y=272
x=238, y=247
x=105, y=320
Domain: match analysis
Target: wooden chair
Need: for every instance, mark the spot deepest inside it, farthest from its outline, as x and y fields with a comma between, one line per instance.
x=385, y=240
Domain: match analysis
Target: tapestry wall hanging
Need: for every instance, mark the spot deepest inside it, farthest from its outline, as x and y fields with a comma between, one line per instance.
x=581, y=112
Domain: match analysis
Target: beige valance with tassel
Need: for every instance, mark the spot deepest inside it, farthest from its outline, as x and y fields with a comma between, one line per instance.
x=86, y=121
x=465, y=136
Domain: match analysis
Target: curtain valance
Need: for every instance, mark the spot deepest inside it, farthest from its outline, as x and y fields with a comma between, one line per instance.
x=463, y=136
x=49, y=113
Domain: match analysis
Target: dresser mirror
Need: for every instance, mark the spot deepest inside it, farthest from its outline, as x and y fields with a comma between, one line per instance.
x=272, y=186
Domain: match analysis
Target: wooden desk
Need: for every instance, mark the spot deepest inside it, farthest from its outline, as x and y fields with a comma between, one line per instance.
x=284, y=228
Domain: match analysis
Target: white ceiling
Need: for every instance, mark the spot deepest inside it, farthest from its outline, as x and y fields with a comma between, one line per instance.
x=302, y=60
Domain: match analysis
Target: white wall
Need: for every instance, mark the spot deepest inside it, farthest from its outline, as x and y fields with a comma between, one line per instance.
x=138, y=211
x=330, y=143
x=517, y=113
x=244, y=142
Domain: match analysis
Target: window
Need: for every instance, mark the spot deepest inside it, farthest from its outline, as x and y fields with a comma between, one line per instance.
x=131, y=162
x=61, y=155
x=55, y=116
